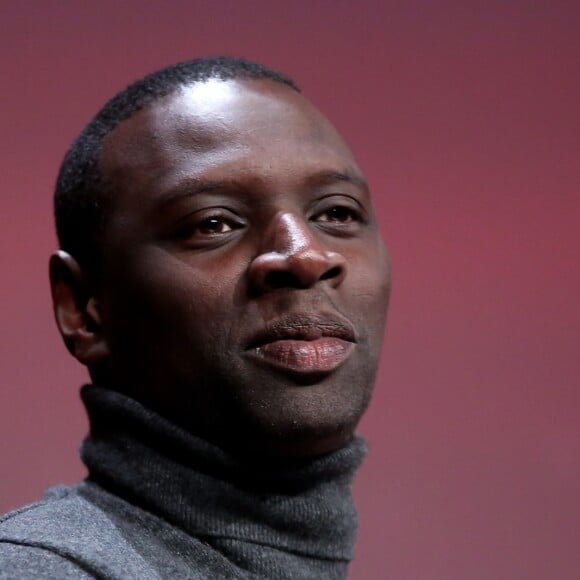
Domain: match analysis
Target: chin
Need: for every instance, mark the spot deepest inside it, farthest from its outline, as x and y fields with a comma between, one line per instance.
x=298, y=431
x=278, y=416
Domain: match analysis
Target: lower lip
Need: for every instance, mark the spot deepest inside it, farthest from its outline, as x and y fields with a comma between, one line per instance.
x=322, y=355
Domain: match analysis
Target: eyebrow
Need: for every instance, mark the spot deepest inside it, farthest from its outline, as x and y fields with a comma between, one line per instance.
x=188, y=188
x=330, y=177
x=191, y=187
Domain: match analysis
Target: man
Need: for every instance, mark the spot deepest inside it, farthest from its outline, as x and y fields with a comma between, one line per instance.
x=222, y=277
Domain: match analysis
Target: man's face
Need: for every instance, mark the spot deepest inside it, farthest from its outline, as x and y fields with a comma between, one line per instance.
x=245, y=281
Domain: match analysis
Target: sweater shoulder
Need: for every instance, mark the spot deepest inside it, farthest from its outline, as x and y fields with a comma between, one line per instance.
x=67, y=531
x=102, y=535
x=26, y=562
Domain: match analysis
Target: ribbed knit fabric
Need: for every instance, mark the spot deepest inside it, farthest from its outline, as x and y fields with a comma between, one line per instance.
x=161, y=503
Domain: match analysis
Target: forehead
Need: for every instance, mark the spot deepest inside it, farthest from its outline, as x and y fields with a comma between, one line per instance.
x=257, y=127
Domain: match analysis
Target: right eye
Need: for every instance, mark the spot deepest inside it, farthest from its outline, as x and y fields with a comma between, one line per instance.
x=213, y=226
x=210, y=226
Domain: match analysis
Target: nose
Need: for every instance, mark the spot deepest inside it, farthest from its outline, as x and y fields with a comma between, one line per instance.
x=291, y=257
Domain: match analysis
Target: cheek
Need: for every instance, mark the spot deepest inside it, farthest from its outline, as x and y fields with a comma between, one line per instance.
x=369, y=276
x=173, y=301
x=369, y=291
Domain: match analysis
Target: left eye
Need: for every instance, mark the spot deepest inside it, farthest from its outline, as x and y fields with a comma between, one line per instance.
x=339, y=214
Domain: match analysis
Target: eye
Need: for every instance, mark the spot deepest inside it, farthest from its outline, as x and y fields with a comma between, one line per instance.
x=208, y=227
x=214, y=226
x=339, y=214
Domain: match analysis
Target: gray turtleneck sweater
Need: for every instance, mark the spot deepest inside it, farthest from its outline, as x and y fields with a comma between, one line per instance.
x=160, y=503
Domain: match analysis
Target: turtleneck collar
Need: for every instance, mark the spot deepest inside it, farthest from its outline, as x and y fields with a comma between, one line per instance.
x=305, y=507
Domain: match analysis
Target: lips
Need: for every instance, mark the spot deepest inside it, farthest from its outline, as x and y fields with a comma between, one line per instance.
x=304, y=344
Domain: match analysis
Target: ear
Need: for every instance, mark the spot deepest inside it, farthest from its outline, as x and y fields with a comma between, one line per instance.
x=76, y=310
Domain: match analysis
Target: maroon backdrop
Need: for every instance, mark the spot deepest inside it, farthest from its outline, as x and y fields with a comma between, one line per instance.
x=465, y=116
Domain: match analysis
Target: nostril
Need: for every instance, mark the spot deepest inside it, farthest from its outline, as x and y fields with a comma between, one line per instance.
x=281, y=279
x=332, y=273
x=287, y=279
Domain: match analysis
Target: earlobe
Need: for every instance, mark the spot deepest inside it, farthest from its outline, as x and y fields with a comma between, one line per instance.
x=76, y=310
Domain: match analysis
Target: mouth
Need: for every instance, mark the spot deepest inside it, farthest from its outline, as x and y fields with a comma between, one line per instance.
x=304, y=345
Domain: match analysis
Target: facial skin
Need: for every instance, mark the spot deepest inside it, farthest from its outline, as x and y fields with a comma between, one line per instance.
x=244, y=282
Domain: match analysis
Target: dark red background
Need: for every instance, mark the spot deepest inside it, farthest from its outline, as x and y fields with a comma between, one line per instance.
x=465, y=116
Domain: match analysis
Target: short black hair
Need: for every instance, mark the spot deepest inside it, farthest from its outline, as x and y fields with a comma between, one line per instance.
x=81, y=199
